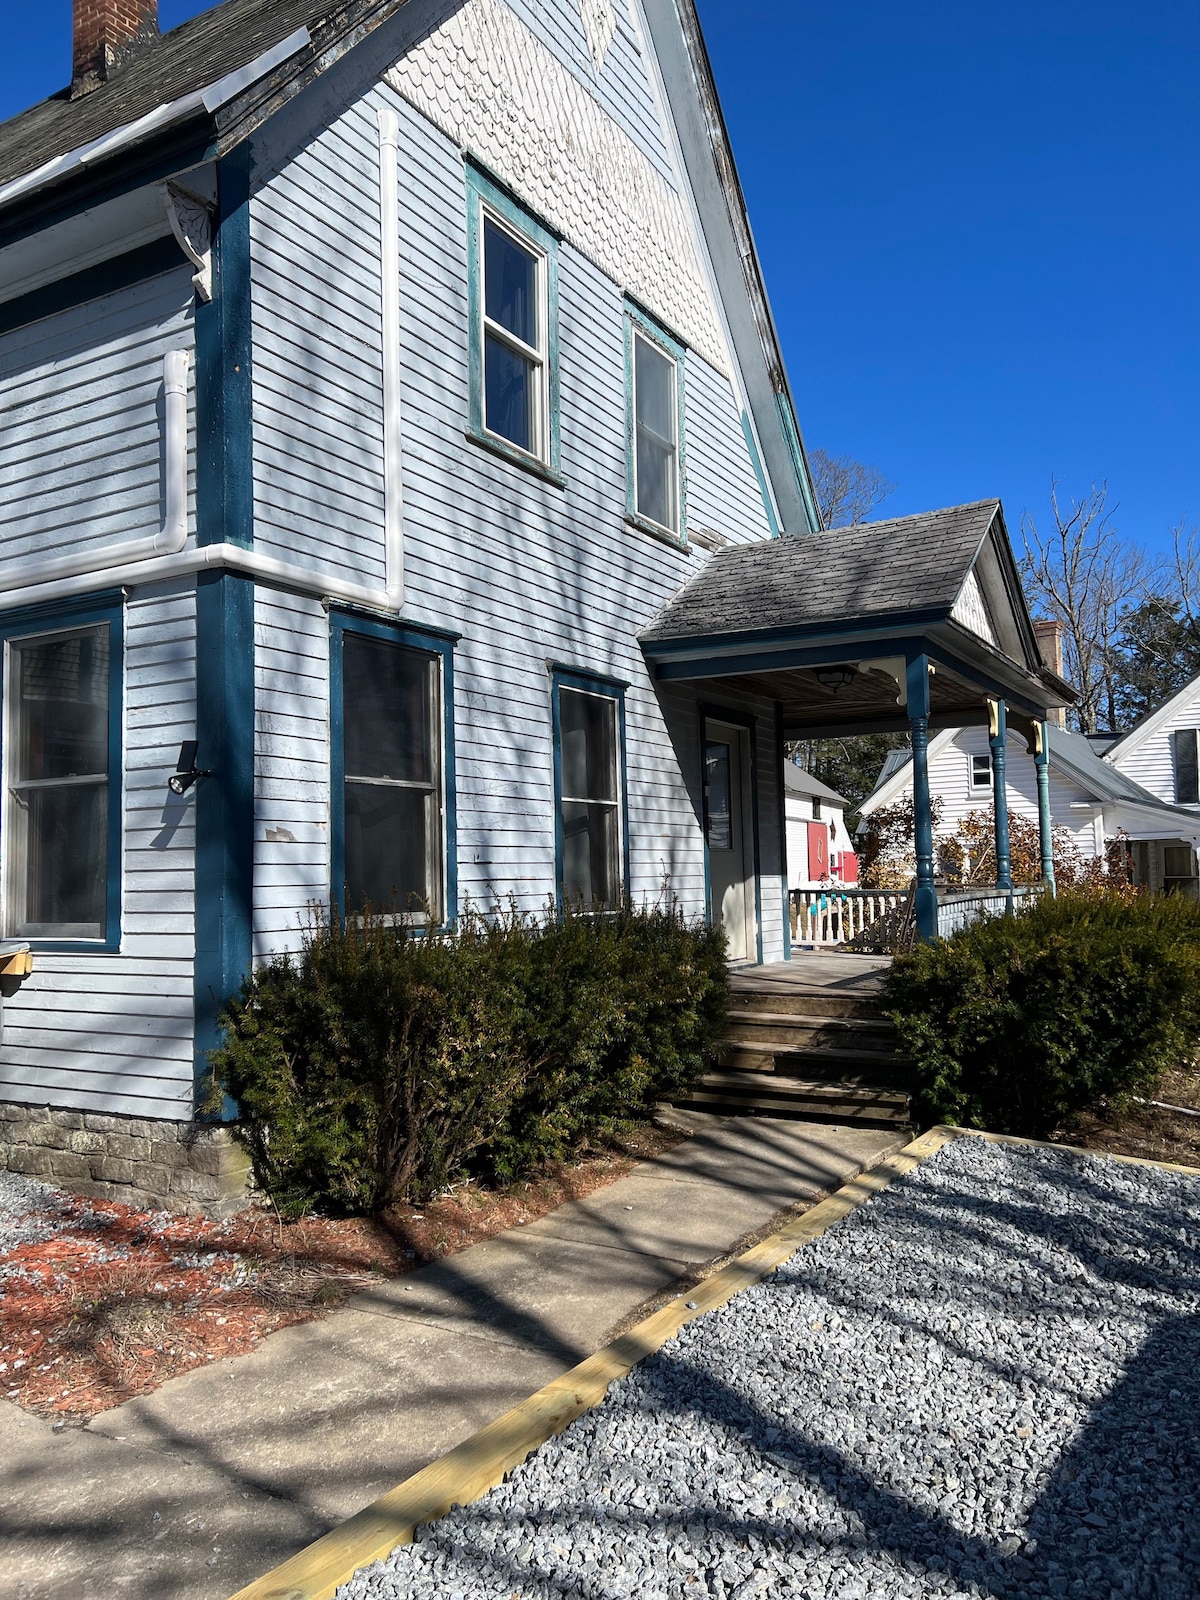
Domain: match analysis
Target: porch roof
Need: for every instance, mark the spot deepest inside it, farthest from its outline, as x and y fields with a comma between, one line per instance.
x=766, y=618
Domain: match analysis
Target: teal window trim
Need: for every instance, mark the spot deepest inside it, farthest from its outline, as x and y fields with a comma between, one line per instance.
x=756, y=462
x=638, y=321
x=434, y=642
x=486, y=196
x=65, y=617
x=610, y=689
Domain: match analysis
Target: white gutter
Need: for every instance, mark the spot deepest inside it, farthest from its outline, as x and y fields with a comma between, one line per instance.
x=211, y=99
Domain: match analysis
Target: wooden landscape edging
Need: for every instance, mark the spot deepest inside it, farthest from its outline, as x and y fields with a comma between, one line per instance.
x=484, y=1460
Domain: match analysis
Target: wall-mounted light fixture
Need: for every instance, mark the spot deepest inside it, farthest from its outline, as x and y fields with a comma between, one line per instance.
x=186, y=771
x=835, y=678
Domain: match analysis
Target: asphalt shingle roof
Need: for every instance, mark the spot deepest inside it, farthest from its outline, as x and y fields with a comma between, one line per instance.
x=798, y=780
x=874, y=569
x=186, y=59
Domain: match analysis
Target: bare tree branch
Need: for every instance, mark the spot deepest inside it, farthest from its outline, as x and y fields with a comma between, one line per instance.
x=847, y=490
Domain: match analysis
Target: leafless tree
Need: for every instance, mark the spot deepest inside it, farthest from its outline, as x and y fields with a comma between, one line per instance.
x=847, y=490
x=1082, y=572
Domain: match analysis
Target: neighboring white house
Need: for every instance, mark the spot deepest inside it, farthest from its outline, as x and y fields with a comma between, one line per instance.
x=819, y=845
x=1095, y=792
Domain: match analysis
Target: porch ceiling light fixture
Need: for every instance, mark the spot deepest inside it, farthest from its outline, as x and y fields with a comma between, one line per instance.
x=835, y=678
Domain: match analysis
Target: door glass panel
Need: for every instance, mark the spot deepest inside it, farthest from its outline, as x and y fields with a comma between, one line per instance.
x=720, y=816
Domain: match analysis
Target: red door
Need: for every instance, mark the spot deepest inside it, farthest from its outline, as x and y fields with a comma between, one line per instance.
x=818, y=851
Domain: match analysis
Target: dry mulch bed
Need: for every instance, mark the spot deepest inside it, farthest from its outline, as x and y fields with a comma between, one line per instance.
x=115, y=1301
x=1147, y=1132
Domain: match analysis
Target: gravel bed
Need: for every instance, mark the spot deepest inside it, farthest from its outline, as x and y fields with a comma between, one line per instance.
x=985, y=1382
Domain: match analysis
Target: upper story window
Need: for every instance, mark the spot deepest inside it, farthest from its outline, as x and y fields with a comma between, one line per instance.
x=591, y=833
x=1187, y=766
x=513, y=315
x=981, y=772
x=654, y=433
x=62, y=784
x=392, y=747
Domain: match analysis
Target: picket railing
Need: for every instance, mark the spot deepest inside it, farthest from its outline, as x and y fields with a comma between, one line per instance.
x=834, y=916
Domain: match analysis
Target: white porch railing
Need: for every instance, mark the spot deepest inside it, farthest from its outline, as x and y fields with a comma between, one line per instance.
x=834, y=916
x=959, y=908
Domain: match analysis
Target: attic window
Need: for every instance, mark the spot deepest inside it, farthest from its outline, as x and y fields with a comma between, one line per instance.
x=1187, y=766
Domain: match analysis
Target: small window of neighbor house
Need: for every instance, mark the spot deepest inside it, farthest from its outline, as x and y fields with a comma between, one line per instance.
x=981, y=772
x=1187, y=766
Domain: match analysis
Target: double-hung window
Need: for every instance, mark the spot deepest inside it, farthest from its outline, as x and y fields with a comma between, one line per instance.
x=1185, y=743
x=62, y=784
x=654, y=429
x=589, y=725
x=390, y=766
x=981, y=772
x=513, y=276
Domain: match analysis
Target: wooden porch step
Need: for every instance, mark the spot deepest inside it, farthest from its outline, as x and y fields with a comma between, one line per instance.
x=793, y=1001
x=805, y=1100
x=796, y=1030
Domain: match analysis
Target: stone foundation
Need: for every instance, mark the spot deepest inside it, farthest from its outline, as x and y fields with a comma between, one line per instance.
x=144, y=1162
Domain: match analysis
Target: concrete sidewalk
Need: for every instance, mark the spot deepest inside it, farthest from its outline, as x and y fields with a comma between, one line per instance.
x=192, y=1491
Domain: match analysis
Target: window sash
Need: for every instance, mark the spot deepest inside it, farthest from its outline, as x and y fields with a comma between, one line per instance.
x=427, y=839
x=58, y=850
x=979, y=781
x=536, y=356
x=603, y=837
x=665, y=445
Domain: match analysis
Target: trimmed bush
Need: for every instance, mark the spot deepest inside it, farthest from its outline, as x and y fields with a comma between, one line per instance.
x=1019, y=1021
x=379, y=1065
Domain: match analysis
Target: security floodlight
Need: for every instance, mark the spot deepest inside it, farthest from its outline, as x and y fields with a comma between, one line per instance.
x=186, y=771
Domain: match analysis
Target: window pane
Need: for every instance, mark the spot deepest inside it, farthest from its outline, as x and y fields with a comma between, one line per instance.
x=588, y=725
x=655, y=481
x=716, y=773
x=388, y=696
x=654, y=384
x=590, y=844
x=392, y=859
x=510, y=394
x=61, y=861
x=510, y=276
x=62, y=709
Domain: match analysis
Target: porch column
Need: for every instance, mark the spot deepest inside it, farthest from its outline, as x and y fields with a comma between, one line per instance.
x=925, y=903
x=1041, y=763
x=998, y=734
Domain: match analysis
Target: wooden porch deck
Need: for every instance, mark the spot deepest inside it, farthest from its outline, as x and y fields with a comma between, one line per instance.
x=832, y=972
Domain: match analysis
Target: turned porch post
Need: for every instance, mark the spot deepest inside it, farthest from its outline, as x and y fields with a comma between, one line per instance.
x=1041, y=763
x=925, y=904
x=997, y=736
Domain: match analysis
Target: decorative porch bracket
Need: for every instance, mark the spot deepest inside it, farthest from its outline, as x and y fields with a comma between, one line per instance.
x=925, y=904
x=997, y=739
x=1040, y=750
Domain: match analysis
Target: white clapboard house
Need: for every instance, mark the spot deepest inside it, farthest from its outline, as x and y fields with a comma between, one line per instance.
x=392, y=429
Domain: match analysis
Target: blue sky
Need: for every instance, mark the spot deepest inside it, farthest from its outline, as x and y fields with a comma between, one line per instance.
x=979, y=226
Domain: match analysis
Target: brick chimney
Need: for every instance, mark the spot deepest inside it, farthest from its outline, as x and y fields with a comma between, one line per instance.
x=1050, y=647
x=107, y=34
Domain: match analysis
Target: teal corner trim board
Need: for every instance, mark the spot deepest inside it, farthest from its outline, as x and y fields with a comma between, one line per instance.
x=756, y=460
x=224, y=881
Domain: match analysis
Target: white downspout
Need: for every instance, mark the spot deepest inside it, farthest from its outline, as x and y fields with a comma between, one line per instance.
x=169, y=539
x=389, y=270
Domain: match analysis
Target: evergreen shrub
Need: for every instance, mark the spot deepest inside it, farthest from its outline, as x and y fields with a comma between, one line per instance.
x=1016, y=1022
x=380, y=1064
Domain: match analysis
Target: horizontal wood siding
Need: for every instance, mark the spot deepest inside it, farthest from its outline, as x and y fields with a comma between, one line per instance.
x=527, y=572
x=81, y=432
x=113, y=1033
x=291, y=769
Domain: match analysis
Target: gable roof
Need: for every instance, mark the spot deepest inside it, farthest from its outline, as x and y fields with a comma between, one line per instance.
x=1126, y=743
x=798, y=780
x=874, y=569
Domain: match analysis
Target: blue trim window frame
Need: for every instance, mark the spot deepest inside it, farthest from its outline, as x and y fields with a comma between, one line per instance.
x=642, y=328
x=612, y=692
x=438, y=647
x=494, y=214
x=47, y=625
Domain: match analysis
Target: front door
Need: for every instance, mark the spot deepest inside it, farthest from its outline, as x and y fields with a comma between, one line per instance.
x=726, y=775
